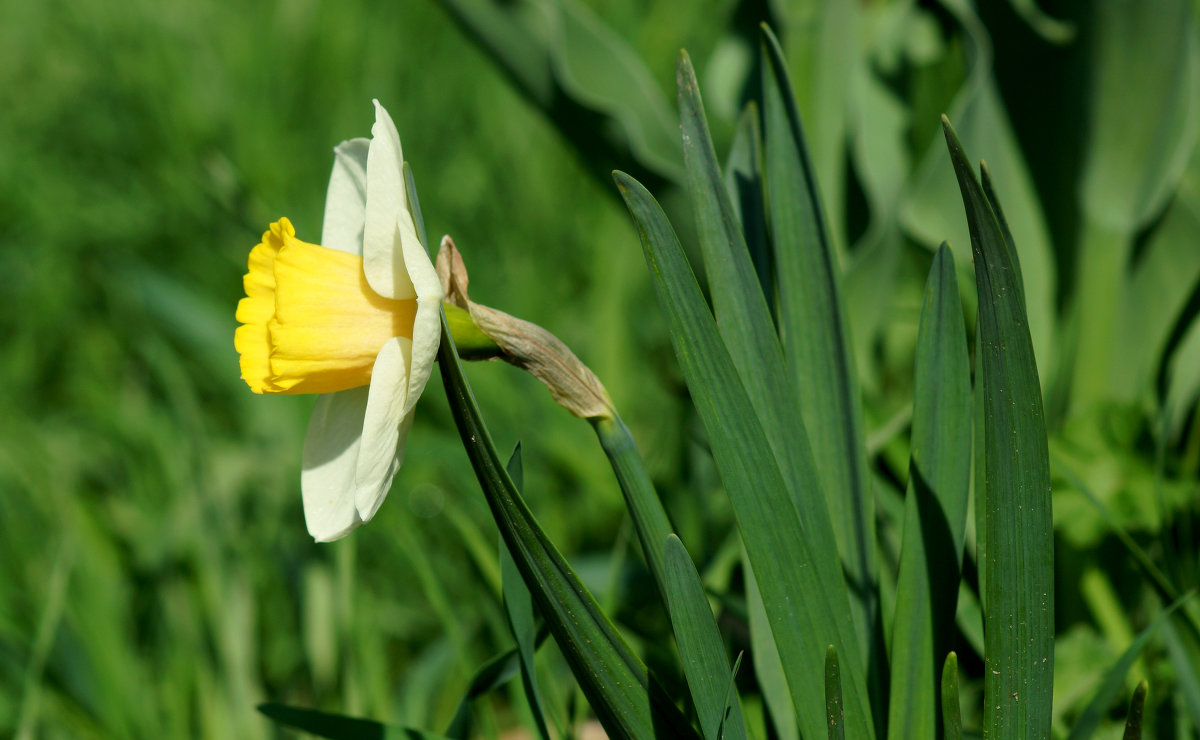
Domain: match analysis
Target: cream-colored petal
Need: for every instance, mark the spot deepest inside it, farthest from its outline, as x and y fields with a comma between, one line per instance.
x=378, y=453
x=427, y=325
x=346, y=198
x=331, y=450
x=386, y=199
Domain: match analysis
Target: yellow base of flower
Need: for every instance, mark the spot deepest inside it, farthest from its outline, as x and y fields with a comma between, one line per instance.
x=310, y=322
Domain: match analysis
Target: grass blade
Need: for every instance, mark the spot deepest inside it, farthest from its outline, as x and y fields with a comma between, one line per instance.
x=813, y=325
x=518, y=608
x=768, y=668
x=1133, y=723
x=490, y=676
x=1019, y=605
x=340, y=727
x=615, y=681
x=701, y=649
x=951, y=712
x=743, y=181
x=804, y=596
x=935, y=508
x=1114, y=680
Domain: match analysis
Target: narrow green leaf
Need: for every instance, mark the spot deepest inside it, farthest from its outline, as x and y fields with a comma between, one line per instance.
x=340, y=727
x=1137, y=704
x=768, y=668
x=584, y=77
x=1019, y=607
x=1114, y=679
x=628, y=703
x=743, y=181
x=518, y=607
x=935, y=507
x=731, y=698
x=816, y=340
x=804, y=596
x=823, y=44
x=834, y=713
x=701, y=649
x=951, y=712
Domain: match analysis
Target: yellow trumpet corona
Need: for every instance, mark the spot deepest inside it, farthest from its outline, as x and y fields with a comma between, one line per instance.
x=310, y=321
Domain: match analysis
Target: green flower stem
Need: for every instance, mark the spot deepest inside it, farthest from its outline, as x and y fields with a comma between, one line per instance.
x=649, y=516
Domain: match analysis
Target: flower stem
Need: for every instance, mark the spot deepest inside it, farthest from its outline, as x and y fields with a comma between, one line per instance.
x=649, y=516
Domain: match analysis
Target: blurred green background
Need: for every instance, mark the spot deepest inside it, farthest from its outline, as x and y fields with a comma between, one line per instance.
x=156, y=579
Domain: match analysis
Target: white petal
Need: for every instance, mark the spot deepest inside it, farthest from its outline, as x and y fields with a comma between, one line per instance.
x=386, y=199
x=346, y=199
x=327, y=477
x=379, y=453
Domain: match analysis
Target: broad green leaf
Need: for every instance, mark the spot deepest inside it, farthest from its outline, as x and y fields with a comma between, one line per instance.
x=743, y=318
x=340, y=727
x=1137, y=705
x=584, y=77
x=1144, y=117
x=814, y=330
x=981, y=120
x=951, y=712
x=1114, y=680
x=616, y=683
x=705, y=664
x=518, y=607
x=804, y=596
x=834, y=713
x=935, y=507
x=1019, y=566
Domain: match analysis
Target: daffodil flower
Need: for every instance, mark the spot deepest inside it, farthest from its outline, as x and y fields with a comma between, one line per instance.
x=354, y=319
